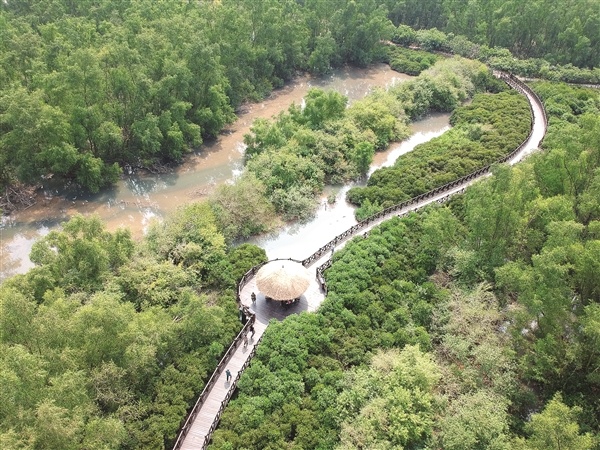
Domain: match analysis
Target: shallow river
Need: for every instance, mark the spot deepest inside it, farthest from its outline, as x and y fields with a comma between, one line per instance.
x=299, y=241
x=137, y=199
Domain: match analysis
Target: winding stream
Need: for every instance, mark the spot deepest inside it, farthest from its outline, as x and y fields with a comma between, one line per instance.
x=331, y=220
x=137, y=198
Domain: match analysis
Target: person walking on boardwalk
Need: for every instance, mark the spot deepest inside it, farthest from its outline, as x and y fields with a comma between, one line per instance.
x=227, y=376
x=245, y=340
x=252, y=331
x=243, y=317
x=253, y=297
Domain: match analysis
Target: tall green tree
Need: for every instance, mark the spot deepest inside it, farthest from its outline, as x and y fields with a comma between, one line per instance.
x=83, y=253
x=391, y=404
x=556, y=427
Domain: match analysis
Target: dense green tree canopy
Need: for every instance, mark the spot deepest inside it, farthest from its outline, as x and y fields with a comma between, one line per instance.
x=294, y=156
x=472, y=325
x=89, y=86
x=559, y=32
x=497, y=292
x=106, y=342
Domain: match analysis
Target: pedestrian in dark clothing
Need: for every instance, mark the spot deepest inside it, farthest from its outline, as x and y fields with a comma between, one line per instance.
x=245, y=340
x=227, y=376
x=253, y=297
x=252, y=331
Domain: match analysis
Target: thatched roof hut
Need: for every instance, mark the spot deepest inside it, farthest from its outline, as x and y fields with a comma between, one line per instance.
x=283, y=280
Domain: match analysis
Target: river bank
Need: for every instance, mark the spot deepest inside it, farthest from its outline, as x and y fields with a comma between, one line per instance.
x=139, y=198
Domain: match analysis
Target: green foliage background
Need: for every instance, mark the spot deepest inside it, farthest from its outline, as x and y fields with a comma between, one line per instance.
x=559, y=32
x=89, y=87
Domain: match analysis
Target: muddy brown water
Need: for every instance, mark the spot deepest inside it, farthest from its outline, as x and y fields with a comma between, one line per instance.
x=138, y=199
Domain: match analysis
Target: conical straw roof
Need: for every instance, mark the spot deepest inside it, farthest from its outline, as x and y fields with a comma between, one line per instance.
x=283, y=280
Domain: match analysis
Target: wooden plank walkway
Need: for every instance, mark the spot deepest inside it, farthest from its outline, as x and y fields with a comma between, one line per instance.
x=218, y=395
x=199, y=429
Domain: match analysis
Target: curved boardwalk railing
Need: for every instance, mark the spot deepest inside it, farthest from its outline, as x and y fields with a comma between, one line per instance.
x=450, y=188
x=392, y=210
x=250, y=320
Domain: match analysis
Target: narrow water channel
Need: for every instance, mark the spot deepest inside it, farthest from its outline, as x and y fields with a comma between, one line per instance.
x=139, y=198
x=299, y=240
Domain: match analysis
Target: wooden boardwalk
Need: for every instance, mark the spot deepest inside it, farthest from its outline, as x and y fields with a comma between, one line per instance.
x=208, y=414
x=211, y=407
x=264, y=311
